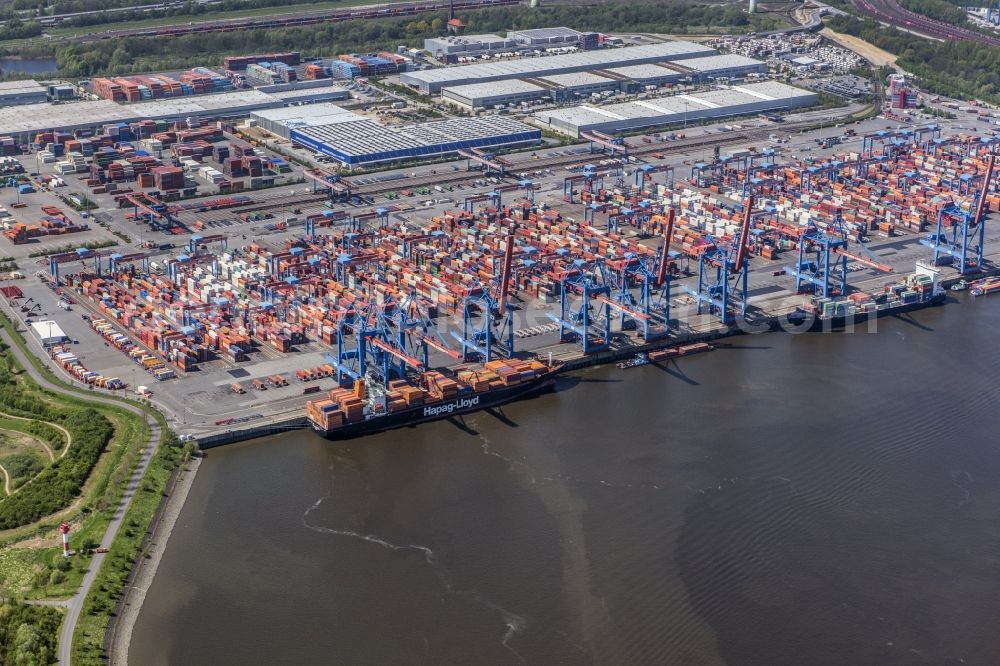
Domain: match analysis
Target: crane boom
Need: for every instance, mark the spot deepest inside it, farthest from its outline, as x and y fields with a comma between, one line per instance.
x=741, y=254
x=431, y=342
x=668, y=232
x=885, y=268
x=981, y=206
x=389, y=349
x=623, y=308
x=508, y=260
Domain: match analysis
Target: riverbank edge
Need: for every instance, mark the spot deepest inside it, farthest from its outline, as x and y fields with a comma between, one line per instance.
x=118, y=636
x=575, y=361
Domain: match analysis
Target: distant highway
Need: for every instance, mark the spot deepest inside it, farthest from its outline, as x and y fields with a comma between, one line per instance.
x=891, y=12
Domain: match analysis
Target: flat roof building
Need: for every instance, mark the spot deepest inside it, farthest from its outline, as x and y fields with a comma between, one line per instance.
x=461, y=44
x=15, y=93
x=655, y=75
x=48, y=333
x=725, y=65
x=546, y=36
x=431, y=81
x=713, y=104
x=485, y=95
x=578, y=83
x=282, y=121
x=313, y=95
x=364, y=142
x=70, y=116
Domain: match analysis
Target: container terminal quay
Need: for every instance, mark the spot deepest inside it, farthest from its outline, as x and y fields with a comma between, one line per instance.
x=224, y=267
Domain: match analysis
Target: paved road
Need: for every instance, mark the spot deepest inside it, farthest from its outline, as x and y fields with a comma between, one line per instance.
x=74, y=605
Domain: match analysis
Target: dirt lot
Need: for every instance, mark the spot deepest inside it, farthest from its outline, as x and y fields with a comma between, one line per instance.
x=872, y=53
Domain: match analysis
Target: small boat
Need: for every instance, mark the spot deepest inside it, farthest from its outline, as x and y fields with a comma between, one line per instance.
x=984, y=287
x=639, y=359
x=961, y=285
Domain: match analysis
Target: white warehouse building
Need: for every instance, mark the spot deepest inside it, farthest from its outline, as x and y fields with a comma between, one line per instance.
x=714, y=104
x=566, y=86
x=431, y=81
x=485, y=95
x=474, y=44
x=547, y=36
x=13, y=93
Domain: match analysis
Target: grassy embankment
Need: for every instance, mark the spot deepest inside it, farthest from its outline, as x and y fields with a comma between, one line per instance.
x=31, y=565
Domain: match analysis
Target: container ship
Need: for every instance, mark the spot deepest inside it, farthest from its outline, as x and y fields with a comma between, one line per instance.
x=919, y=290
x=371, y=407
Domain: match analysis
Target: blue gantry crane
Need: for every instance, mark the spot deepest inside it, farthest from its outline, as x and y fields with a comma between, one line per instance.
x=593, y=286
x=487, y=314
x=487, y=328
x=645, y=173
x=820, y=262
x=415, y=331
x=650, y=310
x=115, y=259
x=378, y=343
x=489, y=161
x=959, y=236
x=590, y=179
x=723, y=272
x=614, y=144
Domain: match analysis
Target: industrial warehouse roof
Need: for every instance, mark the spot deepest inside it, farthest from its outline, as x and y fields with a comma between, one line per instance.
x=367, y=141
x=305, y=90
x=717, y=62
x=307, y=95
x=643, y=72
x=473, y=39
x=576, y=79
x=48, y=332
x=715, y=102
x=308, y=115
x=545, y=33
x=69, y=115
x=494, y=89
x=553, y=64
x=21, y=87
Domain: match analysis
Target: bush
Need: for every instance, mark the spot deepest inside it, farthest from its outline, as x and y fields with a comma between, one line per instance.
x=21, y=467
x=28, y=634
x=57, y=485
x=957, y=68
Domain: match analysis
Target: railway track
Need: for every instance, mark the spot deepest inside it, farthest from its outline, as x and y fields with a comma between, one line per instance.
x=288, y=202
x=891, y=12
x=367, y=12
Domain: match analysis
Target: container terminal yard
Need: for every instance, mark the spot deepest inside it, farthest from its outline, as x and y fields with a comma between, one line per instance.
x=345, y=301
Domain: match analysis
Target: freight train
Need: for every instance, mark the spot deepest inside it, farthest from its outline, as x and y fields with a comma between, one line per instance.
x=894, y=14
x=336, y=16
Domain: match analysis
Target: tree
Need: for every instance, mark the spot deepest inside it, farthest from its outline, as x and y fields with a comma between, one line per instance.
x=29, y=649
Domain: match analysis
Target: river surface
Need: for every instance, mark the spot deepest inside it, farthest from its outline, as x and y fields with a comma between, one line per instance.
x=29, y=65
x=808, y=499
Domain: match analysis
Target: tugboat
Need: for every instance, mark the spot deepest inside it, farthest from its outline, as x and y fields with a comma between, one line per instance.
x=642, y=358
x=961, y=285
